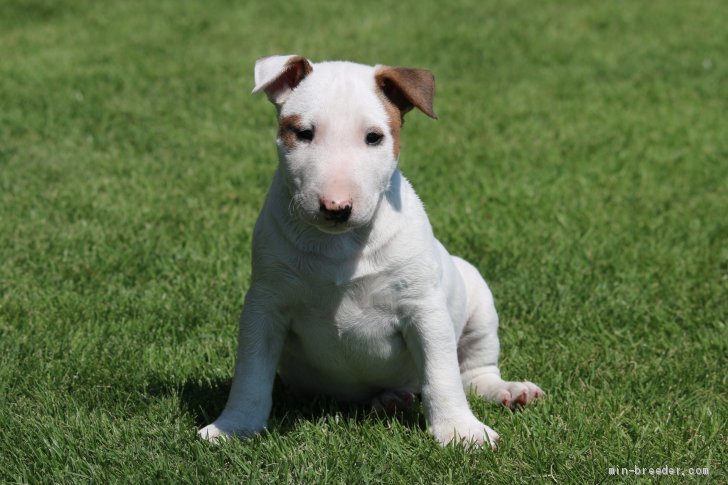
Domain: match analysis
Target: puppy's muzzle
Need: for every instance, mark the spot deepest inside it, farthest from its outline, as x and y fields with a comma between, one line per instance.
x=335, y=211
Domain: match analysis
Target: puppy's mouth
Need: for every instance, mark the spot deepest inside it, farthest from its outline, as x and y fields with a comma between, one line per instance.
x=334, y=228
x=333, y=223
x=330, y=222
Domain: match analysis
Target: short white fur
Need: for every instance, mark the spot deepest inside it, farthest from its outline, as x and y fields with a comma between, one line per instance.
x=369, y=308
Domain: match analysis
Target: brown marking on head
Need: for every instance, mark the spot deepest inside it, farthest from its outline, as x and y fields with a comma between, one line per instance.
x=395, y=120
x=294, y=70
x=407, y=88
x=287, y=128
x=401, y=89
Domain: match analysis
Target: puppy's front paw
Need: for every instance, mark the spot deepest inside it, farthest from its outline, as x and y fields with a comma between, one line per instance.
x=223, y=429
x=469, y=432
x=212, y=433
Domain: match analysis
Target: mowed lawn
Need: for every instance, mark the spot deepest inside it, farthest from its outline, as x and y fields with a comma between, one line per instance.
x=580, y=161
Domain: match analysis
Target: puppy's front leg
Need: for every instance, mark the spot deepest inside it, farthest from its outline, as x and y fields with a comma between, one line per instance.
x=260, y=340
x=431, y=340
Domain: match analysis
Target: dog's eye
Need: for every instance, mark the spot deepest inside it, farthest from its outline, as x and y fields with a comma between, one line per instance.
x=304, y=135
x=374, y=138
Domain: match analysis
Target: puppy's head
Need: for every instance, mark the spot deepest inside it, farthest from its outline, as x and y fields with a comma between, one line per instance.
x=338, y=136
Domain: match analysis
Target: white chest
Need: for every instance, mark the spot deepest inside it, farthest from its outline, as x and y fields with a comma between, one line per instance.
x=346, y=340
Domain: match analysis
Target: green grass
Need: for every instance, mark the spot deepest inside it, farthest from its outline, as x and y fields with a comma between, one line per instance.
x=580, y=161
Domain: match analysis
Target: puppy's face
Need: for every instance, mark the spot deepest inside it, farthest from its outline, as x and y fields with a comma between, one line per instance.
x=337, y=144
x=338, y=137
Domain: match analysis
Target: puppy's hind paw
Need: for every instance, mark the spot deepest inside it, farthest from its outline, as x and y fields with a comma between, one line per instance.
x=519, y=394
x=510, y=394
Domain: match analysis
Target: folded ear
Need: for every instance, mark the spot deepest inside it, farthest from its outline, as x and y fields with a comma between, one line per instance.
x=407, y=88
x=278, y=75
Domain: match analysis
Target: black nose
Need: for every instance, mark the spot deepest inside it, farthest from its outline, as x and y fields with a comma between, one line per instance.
x=340, y=214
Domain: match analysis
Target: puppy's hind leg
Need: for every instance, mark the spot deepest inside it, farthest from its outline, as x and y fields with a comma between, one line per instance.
x=479, y=348
x=390, y=403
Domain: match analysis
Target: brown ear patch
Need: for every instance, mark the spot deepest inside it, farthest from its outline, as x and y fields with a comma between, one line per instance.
x=407, y=88
x=296, y=68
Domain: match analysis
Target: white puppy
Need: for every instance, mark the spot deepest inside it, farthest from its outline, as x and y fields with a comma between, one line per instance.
x=351, y=294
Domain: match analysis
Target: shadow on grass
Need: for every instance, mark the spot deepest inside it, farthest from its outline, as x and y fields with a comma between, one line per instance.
x=204, y=401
